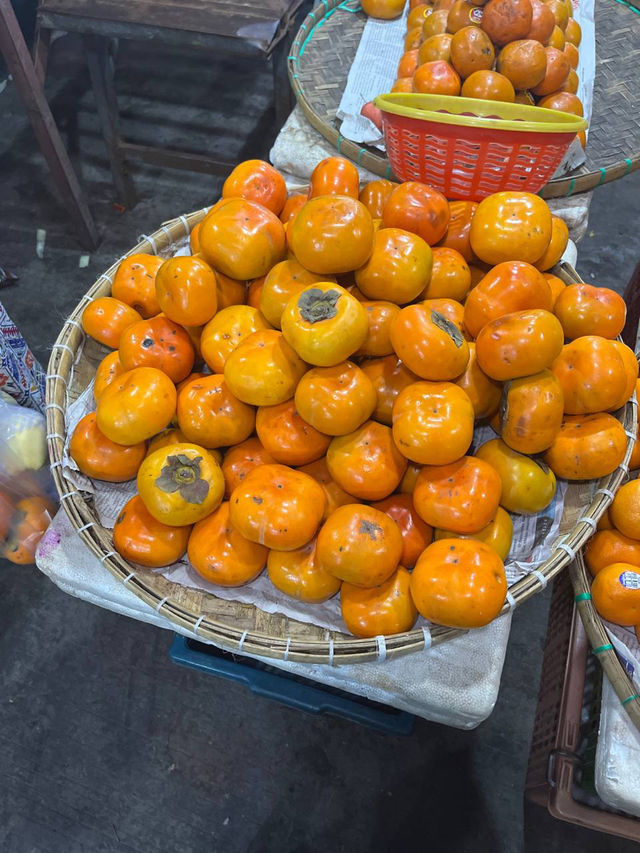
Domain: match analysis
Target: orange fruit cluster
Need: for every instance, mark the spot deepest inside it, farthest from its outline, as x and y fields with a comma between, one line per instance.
x=345, y=344
x=522, y=51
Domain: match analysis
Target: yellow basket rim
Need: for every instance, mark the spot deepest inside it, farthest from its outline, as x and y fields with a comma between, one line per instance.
x=518, y=117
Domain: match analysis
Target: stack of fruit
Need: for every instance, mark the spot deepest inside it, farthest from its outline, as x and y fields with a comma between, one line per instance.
x=523, y=51
x=327, y=431
x=613, y=556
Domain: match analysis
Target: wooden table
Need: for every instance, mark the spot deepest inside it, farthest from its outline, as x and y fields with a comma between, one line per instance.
x=258, y=30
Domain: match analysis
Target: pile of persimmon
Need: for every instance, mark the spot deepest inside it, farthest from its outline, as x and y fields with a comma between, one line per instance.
x=613, y=555
x=301, y=392
x=522, y=51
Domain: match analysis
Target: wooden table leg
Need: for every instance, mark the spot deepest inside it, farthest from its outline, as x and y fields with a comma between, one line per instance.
x=16, y=55
x=101, y=70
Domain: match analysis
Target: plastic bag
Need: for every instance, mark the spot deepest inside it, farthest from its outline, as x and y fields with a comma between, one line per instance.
x=27, y=502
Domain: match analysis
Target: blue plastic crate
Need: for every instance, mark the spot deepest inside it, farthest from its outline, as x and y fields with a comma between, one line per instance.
x=288, y=689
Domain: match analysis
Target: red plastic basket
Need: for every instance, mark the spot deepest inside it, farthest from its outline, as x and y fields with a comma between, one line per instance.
x=469, y=148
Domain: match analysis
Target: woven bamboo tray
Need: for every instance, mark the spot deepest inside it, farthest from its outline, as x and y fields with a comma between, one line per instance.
x=601, y=643
x=232, y=625
x=325, y=46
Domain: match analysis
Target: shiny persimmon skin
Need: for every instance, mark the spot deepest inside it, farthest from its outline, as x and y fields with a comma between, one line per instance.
x=435, y=47
x=287, y=436
x=375, y=194
x=284, y=281
x=450, y=276
x=471, y=50
x=527, y=485
x=531, y=412
x=508, y=287
x=325, y=324
x=556, y=39
x=254, y=292
x=336, y=400
x=435, y=24
x=137, y=405
x=386, y=609
x=224, y=332
x=159, y=343
x=139, y=538
x=389, y=377
x=335, y=494
x=592, y=375
x=211, y=416
x=524, y=62
x=180, y=484
x=587, y=447
x=498, y=534
x=459, y=582
x=462, y=496
x=135, y=283
x=292, y=205
x=334, y=176
x=229, y=291
x=557, y=244
x=586, y=310
x=511, y=226
x=366, y=463
x=573, y=32
x=331, y=234
x=519, y=344
x=556, y=284
x=242, y=458
x=242, y=239
x=399, y=267
x=298, y=575
x=416, y=534
x=100, y=458
x=485, y=393
x=429, y=343
x=173, y=436
x=194, y=239
x=106, y=318
x=457, y=234
x=507, y=20
x=437, y=78
x=186, y=291
x=631, y=366
x=360, y=545
x=277, y=507
x=380, y=316
x=488, y=86
x=418, y=208
x=624, y=511
x=616, y=595
x=558, y=68
x=385, y=9
x=221, y=554
x=109, y=368
x=433, y=422
x=610, y=546
x=264, y=370
x=257, y=181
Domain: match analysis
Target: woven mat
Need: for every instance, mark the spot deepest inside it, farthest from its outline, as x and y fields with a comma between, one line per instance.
x=614, y=135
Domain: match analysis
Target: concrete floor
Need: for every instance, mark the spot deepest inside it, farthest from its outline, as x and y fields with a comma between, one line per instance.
x=106, y=745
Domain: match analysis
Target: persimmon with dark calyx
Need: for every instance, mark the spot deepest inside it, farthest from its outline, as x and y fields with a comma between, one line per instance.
x=141, y=539
x=587, y=447
x=100, y=458
x=360, y=545
x=428, y=343
x=462, y=496
x=210, y=415
x=105, y=319
x=416, y=533
x=257, y=181
x=366, y=463
x=277, y=507
x=298, y=575
x=284, y=281
x=385, y=609
x=242, y=458
x=460, y=583
x=433, y=422
x=221, y=554
x=336, y=400
x=135, y=283
x=159, y=343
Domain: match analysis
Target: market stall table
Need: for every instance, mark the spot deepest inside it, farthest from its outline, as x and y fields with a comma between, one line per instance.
x=454, y=683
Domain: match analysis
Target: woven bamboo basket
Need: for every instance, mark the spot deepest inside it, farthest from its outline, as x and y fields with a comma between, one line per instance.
x=232, y=625
x=601, y=642
x=325, y=46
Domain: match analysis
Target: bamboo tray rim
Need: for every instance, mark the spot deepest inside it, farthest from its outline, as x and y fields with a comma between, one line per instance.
x=333, y=648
